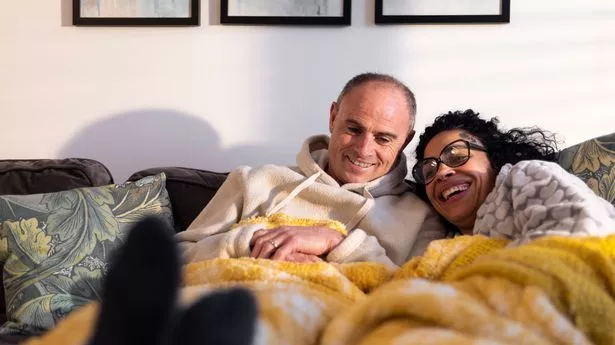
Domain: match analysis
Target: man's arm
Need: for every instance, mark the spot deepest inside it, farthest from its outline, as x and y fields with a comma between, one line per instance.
x=210, y=235
x=359, y=246
x=433, y=228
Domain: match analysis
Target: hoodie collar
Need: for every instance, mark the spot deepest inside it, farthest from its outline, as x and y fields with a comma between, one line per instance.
x=314, y=158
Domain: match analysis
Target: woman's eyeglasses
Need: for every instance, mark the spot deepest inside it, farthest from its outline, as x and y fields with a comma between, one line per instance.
x=453, y=155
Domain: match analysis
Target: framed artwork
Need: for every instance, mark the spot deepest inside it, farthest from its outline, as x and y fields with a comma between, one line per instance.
x=285, y=12
x=442, y=11
x=136, y=12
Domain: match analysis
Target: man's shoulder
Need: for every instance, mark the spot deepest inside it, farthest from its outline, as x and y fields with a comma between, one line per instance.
x=407, y=201
x=267, y=171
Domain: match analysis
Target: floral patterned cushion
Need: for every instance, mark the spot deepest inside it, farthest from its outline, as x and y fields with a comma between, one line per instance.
x=55, y=246
x=594, y=162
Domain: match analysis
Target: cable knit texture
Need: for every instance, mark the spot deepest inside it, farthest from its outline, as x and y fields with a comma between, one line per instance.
x=536, y=198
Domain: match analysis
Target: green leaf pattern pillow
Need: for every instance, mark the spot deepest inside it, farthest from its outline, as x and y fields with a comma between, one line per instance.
x=55, y=247
x=593, y=161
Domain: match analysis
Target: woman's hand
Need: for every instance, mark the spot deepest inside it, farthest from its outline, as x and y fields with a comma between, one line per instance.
x=284, y=242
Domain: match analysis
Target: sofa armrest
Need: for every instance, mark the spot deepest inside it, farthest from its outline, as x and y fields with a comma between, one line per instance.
x=33, y=176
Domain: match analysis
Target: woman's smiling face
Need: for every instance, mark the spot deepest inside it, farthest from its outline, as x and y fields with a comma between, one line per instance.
x=457, y=192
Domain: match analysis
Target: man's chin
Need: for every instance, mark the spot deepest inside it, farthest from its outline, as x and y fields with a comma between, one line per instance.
x=358, y=178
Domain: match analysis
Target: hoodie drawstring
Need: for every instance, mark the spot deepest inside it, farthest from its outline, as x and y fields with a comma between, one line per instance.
x=303, y=185
x=367, y=205
x=361, y=213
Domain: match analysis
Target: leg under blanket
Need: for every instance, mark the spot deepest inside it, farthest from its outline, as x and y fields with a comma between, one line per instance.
x=467, y=290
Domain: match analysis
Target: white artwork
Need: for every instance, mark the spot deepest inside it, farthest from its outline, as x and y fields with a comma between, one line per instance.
x=135, y=8
x=440, y=7
x=286, y=8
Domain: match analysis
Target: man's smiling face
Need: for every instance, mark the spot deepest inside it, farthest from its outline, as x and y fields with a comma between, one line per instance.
x=369, y=128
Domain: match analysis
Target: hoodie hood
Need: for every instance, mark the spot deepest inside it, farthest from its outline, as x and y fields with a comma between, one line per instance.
x=314, y=158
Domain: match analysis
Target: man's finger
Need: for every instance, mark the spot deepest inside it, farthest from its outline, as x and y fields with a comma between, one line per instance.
x=260, y=233
x=259, y=240
x=287, y=247
x=303, y=258
x=267, y=244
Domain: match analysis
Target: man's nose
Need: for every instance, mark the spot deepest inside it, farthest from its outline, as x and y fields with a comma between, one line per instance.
x=365, y=145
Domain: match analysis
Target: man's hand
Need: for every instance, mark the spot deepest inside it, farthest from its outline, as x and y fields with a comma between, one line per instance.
x=300, y=257
x=283, y=242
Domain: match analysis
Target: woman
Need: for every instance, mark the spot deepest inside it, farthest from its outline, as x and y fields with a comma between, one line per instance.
x=484, y=180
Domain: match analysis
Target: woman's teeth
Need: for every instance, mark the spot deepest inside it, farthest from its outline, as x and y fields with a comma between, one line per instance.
x=450, y=191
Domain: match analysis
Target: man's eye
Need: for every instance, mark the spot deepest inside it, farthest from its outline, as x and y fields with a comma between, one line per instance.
x=383, y=140
x=354, y=130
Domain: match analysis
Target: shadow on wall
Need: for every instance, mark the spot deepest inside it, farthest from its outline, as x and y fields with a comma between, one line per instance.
x=141, y=139
x=66, y=6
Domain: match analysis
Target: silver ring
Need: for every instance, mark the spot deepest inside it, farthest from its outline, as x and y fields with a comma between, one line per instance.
x=273, y=244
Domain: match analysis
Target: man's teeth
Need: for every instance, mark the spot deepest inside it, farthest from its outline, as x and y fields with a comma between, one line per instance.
x=359, y=164
x=460, y=188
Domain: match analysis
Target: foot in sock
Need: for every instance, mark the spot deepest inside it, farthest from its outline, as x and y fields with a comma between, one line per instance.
x=226, y=317
x=139, y=301
x=140, y=289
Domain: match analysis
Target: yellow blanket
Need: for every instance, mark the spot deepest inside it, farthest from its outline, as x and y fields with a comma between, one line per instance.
x=467, y=290
x=296, y=301
x=472, y=290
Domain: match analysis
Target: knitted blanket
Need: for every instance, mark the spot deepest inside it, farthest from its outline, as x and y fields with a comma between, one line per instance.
x=474, y=290
x=466, y=290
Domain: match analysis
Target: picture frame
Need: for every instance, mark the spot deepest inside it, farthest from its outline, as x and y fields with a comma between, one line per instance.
x=92, y=13
x=254, y=12
x=441, y=11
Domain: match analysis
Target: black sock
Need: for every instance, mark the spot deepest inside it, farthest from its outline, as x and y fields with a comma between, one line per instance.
x=225, y=317
x=140, y=289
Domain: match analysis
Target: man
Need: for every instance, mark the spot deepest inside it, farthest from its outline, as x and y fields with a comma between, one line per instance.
x=355, y=177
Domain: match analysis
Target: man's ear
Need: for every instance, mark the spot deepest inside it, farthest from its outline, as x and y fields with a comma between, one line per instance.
x=332, y=115
x=408, y=139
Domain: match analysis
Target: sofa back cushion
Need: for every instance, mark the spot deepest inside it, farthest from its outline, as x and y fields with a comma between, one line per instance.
x=594, y=162
x=189, y=190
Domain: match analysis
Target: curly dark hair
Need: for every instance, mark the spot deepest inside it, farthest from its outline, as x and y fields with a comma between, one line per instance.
x=503, y=147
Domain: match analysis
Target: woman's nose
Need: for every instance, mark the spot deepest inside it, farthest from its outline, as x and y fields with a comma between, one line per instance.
x=444, y=172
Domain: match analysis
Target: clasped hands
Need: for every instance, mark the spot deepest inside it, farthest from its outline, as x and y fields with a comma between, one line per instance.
x=294, y=243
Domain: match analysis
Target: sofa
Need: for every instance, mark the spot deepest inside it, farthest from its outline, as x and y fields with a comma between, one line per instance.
x=185, y=192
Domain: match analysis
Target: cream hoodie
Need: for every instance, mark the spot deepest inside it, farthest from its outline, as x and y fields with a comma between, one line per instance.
x=386, y=223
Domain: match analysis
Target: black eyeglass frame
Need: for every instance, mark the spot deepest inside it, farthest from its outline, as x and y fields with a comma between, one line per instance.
x=469, y=146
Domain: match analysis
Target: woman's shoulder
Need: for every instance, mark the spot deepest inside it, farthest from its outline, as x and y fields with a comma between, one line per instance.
x=534, y=167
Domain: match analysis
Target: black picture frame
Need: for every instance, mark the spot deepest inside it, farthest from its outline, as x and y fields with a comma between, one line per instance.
x=193, y=20
x=503, y=17
x=343, y=20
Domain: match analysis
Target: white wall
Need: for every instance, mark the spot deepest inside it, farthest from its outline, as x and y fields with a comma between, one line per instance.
x=217, y=96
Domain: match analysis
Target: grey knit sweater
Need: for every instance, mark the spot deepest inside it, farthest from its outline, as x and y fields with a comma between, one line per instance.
x=536, y=198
